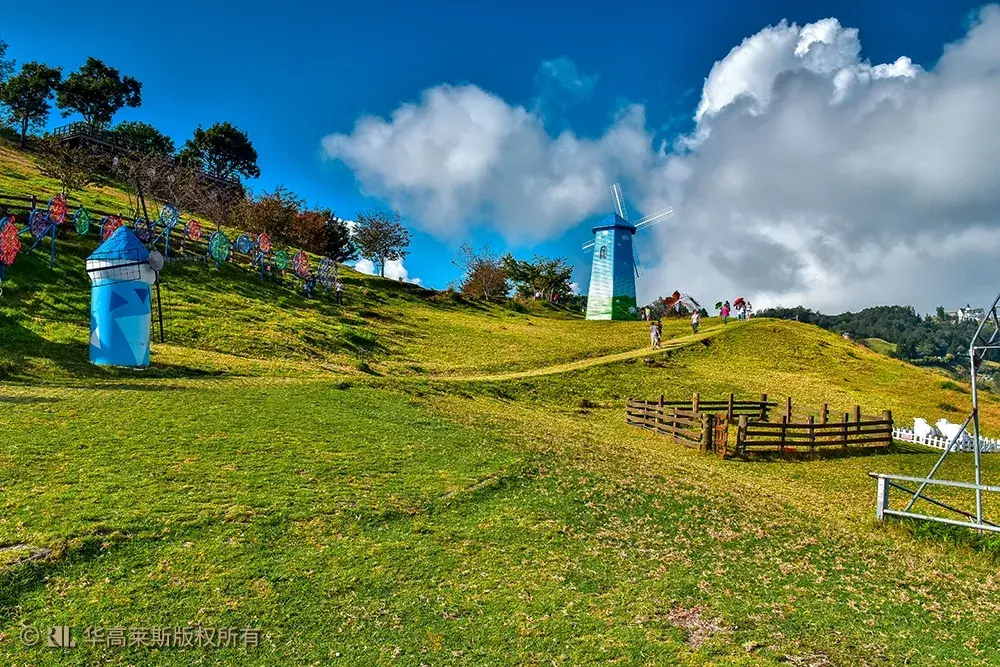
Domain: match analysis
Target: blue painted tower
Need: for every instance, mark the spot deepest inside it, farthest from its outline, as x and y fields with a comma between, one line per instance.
x=612, y=276
x=616, y=263
x=120, y=310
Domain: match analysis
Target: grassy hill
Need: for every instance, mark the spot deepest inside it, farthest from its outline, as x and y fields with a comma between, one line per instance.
x=470, y=496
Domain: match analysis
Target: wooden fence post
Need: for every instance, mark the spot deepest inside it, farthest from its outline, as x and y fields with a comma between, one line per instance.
x=781, y=438
x=788, y=409
x=887, y=416
x=659, y=414
x=812, y=434
x=729, y=410
x=763, y=407
x=707, y=430
x=847, y=418
x=824, y=414
x=857, y=418
x=741, y=434
x=694, y=402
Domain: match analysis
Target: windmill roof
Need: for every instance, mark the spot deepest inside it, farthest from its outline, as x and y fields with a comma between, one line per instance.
x=613, y=220
x=121, y=245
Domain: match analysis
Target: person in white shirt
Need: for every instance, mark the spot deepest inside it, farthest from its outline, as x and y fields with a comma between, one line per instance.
x=695, y=320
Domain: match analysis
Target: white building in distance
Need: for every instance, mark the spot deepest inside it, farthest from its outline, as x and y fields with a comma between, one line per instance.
x=967, y=314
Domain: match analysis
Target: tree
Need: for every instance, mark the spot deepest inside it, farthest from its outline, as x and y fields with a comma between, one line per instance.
x=223, y=151
x=97, y=92
x=339, y=245
x=142, y=138
x=542, y=276
x=483, y=275
x=271, y=212
x=381, y=237
x=6, y=66
x=26, y=95
x=72, y=167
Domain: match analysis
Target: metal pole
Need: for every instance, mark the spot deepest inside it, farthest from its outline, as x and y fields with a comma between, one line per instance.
x=159, y=307
x=975, y=432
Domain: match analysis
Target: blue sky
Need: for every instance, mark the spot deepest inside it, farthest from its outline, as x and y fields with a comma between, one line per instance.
x=291, y=73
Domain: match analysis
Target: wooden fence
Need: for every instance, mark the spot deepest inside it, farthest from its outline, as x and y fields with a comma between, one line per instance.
x=732, y=408
x=862, y=432
x=685, y=427
x=704, y=425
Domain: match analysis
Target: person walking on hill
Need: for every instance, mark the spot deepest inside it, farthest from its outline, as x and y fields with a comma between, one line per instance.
x=654, y=335
x=339, y=289
x=695, y=321
x=724, y=312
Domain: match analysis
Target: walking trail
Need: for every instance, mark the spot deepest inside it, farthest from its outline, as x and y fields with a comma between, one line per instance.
x=580, y=364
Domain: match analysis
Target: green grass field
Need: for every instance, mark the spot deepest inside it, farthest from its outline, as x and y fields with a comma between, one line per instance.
x=469, y=495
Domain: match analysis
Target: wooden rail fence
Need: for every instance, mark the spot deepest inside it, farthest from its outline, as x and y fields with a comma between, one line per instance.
x=704, y=425
x=754, y=409
x=785, y=437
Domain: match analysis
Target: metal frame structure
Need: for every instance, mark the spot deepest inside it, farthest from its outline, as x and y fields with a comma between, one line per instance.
x=979, y=348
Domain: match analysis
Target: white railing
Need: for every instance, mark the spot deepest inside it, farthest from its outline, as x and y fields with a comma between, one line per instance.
x=939, y=442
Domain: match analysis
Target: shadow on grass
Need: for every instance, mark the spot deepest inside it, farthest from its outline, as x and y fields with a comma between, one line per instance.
x=28, y=399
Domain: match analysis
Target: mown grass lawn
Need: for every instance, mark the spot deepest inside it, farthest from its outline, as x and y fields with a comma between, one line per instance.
x=415, y=479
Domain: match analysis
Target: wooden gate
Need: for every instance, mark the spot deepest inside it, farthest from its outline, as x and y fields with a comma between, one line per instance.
x=720, y=436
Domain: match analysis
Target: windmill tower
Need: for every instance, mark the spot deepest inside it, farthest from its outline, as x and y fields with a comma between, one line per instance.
x=616, y=263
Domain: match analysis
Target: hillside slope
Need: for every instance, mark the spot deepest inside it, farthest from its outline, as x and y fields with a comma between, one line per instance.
x=469, y=495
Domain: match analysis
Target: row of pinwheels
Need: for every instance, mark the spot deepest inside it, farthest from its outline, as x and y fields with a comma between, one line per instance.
x=43, y=223
x=221, y=249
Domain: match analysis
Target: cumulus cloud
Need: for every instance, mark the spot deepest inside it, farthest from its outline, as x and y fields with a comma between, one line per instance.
x=813, y=176
x=816, y=177
x=394, y=270
x=462, y=154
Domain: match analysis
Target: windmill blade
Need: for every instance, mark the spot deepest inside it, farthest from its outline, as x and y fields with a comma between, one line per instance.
x=587, y=247
x=635, y=263
x=616, y=194
x=659, y=216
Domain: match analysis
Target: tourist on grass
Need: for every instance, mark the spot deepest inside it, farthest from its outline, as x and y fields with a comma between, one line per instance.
x=654, y=335
x=695, y=321
x=339, y=290
x=724, y=312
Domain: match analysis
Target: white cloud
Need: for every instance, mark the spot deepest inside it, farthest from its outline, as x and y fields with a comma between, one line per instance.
x=813, y=175
x=462, y=154
x=394, y=270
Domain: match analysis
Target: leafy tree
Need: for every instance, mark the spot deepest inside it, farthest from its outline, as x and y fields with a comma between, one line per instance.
x=308, y=230
x=339, y=245
x=72, y=167
x=542, y=276
x=97, y=92
x=223, y=151
x=271, y=212
x=6, y=66
x=483, y=275
x=26, y=96
x=381, y=237
x=142, y=138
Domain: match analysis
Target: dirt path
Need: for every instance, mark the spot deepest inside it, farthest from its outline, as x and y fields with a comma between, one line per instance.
x=670, y=344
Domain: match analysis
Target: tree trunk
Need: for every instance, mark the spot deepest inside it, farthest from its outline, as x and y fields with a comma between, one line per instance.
x=24, y=130
x=381, y=267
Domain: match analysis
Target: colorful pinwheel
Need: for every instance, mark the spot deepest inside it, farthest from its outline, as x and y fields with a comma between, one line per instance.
x=81, y=221
x=219, y=246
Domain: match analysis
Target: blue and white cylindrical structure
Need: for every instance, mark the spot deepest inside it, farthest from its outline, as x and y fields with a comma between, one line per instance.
x=120, y=293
